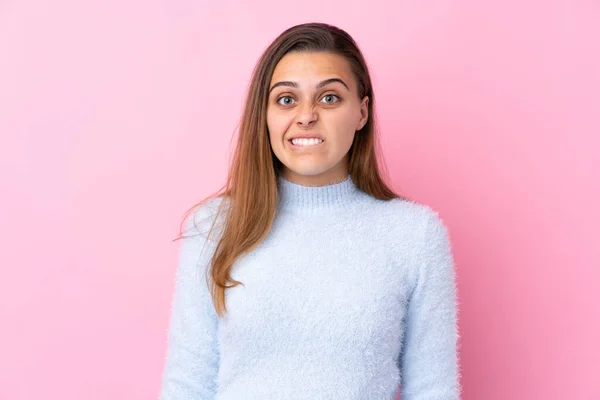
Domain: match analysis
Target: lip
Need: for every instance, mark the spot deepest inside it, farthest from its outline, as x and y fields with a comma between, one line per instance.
x=301, y=147
x=306, y=136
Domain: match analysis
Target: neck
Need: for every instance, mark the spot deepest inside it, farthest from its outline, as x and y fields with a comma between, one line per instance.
x=337, y=174
x=332, y=181
x=293, y=196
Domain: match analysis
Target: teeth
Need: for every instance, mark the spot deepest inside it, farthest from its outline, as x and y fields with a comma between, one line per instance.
x=306, y=142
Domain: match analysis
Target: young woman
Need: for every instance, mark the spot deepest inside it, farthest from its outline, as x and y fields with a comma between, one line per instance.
x=321, y=283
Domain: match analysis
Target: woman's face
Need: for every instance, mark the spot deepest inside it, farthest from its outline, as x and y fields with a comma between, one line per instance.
x=314, y=95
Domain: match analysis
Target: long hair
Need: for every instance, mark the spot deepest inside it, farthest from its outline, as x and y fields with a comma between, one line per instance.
x=251, y=190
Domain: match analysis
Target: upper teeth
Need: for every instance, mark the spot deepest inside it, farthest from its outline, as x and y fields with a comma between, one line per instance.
x=306, y=142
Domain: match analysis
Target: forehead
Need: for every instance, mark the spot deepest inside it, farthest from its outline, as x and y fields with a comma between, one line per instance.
x=312, y=67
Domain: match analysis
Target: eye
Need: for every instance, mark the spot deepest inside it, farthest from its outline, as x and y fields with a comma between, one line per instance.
x=331, y=98
x=287, y=100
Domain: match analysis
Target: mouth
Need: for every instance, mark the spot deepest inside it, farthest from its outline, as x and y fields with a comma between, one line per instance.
x=306, y=143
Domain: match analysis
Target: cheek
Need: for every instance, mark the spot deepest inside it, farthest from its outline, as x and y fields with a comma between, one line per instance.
x=344, y=121
x=277, y=124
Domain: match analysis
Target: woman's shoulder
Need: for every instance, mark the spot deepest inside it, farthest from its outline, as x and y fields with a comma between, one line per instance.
x=411, y=221
x=417, y=233
x=407, y=212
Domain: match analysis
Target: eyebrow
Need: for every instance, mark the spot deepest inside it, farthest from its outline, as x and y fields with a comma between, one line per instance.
x=320, y=85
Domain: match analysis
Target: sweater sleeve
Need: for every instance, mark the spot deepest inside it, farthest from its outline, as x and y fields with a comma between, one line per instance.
x=192, y=359
x=429, y=362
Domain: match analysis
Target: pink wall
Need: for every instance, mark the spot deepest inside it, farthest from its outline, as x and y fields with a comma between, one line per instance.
x=116, y=115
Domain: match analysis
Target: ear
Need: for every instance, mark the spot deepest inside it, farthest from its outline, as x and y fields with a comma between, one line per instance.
x=364, y=113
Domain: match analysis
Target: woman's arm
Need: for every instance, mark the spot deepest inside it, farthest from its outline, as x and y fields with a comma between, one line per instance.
x=192, y=359
x=429, y=359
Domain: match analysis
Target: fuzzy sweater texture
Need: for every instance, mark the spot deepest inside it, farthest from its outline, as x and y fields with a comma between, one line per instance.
x=348, y=298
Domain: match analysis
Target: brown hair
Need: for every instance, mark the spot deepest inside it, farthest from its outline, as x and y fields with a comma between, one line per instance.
x=251, y=187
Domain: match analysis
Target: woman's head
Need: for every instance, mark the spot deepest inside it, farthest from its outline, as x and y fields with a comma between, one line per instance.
x=314, y=110
x=312, y=80
x=319, y=87
x=287, y=97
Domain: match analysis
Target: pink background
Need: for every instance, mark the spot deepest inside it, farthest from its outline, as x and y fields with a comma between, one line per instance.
x=117, y=115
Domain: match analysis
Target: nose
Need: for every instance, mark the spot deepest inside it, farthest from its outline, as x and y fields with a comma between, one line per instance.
x=306, y=116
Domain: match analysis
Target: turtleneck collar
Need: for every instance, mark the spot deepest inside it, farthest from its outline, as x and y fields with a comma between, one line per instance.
x=296, y=196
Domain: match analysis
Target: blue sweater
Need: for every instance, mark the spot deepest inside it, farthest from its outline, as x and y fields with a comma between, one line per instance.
x=348, y=298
